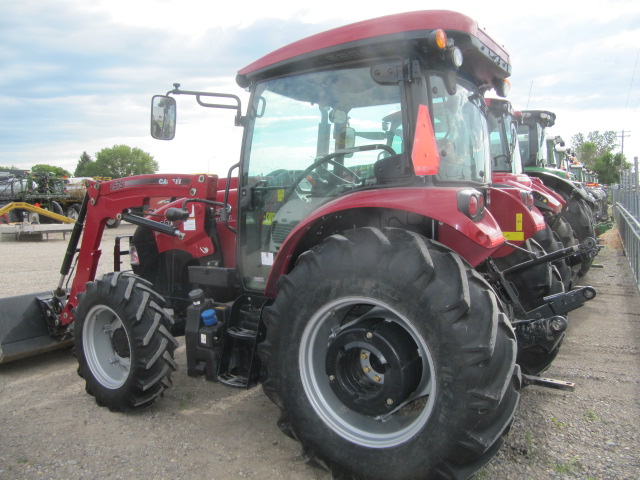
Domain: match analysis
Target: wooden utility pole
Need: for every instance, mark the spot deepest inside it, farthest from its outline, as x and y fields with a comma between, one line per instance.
x=623, y=135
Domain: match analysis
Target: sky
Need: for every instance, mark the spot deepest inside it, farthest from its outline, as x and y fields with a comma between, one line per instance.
x=78, y=76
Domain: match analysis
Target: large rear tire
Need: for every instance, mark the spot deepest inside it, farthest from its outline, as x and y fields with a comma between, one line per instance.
x=550, y=242
x=578, y=214
x=532, y=286
x=534, y=283
x=389, y=357
x=568, y=237
x=122, y=341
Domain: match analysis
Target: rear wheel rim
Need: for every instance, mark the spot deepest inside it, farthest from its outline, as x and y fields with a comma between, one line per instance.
x=106, y=347
x=406, y=417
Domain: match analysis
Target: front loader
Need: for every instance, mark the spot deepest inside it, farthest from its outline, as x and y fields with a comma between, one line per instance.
x=350, y=265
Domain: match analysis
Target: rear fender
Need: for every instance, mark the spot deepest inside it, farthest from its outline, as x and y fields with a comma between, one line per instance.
x=561, y=185
x=545, y=199
x=539, y=186
x=473, y=240
x=517, y=221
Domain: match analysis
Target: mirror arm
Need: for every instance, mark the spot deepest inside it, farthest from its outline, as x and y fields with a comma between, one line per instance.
x=239, y=119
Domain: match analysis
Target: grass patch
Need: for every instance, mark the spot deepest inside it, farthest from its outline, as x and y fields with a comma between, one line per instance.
x=591, y=416
x=567, y=467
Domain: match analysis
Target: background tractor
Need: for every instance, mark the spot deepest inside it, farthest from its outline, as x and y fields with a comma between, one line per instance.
x=542, y=158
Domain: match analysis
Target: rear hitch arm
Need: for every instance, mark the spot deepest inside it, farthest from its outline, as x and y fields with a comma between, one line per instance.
x=562, y=303
x=547, y=323
x=589, y=247
x=548, y=382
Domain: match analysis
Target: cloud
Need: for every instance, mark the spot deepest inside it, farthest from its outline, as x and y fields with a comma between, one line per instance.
x=78, y=76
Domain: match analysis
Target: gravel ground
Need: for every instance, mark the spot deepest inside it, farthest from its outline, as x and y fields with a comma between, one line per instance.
x=51, y=429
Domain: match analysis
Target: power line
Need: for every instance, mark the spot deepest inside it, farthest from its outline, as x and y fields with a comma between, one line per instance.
x=632, y=78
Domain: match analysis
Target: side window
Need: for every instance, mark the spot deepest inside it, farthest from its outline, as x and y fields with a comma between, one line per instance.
x=461, y=134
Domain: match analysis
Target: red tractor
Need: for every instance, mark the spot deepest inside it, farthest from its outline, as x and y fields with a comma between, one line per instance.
x=351, y=265
x=508, y=169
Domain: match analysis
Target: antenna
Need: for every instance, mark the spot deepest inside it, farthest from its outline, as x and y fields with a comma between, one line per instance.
x=633, y=76
x=530, y=88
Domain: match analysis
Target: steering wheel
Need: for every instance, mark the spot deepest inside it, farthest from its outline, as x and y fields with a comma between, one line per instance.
x=330, y=178
x=501, y=156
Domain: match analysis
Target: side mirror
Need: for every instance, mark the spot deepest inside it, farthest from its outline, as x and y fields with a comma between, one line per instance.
x=163, y=117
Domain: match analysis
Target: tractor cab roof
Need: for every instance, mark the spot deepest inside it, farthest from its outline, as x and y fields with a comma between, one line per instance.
x=500, y=104
x=543, y=117
x=484, y=59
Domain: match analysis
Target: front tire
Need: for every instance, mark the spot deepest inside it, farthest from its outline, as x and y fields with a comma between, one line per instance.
x=389, y=357
x=122, y=341
x=73, y=212
x=113, y=223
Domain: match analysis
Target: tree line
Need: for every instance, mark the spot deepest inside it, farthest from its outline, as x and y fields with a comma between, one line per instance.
x=595, y=151
x=115, y=162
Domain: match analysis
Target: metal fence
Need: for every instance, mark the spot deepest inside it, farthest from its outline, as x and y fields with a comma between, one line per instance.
x=626, y=208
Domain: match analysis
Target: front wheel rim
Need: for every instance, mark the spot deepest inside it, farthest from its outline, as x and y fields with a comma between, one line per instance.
x=106, y=347
x=404, y=419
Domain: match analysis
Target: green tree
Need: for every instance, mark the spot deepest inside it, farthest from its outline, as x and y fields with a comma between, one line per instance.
x=50, y=169
x=84, y=166
x=594, y=145
x=122, y=161
x=608, y=167
x=587, y=153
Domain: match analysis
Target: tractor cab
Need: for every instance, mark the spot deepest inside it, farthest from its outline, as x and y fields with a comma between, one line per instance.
x=335, y=118
x=503, y=137
x=319, y=137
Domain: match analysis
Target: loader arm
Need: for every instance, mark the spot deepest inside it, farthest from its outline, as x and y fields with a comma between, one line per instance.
x=112, y=199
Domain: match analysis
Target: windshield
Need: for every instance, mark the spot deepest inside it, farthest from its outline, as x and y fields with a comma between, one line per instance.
x=460, y=127
x=578, y=171
x=503, y=137
x=532, y=136
x=301, y=118
x=311, y=138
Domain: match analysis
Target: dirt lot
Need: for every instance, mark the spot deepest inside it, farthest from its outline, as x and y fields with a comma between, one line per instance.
x=50, y=428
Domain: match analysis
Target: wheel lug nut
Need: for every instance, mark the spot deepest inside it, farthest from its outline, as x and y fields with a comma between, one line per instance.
x=332, y=378
x=376, y=378
x=389, y=401
x=366, y=369
x=369, y=335
x=364, y=356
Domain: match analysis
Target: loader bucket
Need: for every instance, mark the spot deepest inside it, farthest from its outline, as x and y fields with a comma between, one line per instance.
x=23, y=329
